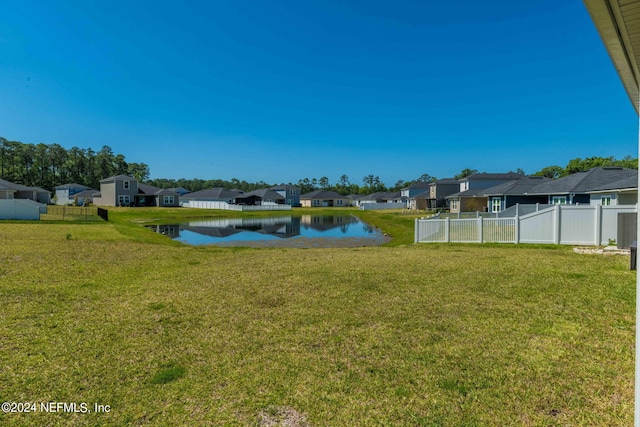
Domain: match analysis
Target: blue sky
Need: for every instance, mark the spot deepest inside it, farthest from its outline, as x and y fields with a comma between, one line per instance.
x=282, y=90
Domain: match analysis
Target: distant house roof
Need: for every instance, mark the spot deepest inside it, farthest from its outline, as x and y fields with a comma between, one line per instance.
x=284, y=187
x=322, y=194
x=630, y=183
x=151, y=190
x=72, y=185
x=118, y=178
x=7, y=185
x=212, y=193
x=382, y=195
x=417, y=185
x=583, y=182
x=263, y=193
x=446, y=181
x=476, y=192
x=423, y=195
x=180, y=190
x=85, y=193
x=517, y=187
x=484, y=175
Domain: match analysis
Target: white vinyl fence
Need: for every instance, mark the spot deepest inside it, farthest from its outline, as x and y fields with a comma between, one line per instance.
x=377, y=206
x=229, y=207
x=560, y=224
x=21, y=209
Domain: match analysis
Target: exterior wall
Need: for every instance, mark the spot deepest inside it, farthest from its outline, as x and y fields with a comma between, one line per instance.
x=628, y=198
x=62, y=197
x=6, y=194
x=473, y=204
x=323, y=203
x=109, y=192
x=32, y=195
x=291, y=195
x=485, y=183
x=440, y=191
x=107, y=195
x=161, y=202
x=418, y=204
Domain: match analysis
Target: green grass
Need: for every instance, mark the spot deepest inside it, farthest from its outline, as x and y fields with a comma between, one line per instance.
x=420, y=335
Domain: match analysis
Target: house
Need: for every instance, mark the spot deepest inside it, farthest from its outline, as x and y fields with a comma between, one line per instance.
x=64, y=193
x=211, y=195
x=419, y=201
x=323, y=198
x=503, y=196
x=117, y=190
x=83, y=198
x=578, y=187
x=291, y=194
x=263, y=196
x=439, y=190
x=470, y=197
x=10, y=190
x=414, y=189
x=622, y=192
x=123, y=190
x=148, y=195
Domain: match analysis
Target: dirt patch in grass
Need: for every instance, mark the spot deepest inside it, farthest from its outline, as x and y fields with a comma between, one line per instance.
x=282, y=416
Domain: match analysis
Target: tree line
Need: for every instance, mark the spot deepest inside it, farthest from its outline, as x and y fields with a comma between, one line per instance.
x=50, y=165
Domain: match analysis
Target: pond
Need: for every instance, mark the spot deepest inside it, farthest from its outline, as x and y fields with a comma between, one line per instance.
x=306, y=231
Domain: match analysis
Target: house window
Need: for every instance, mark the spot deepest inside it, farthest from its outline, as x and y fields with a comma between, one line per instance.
x=168, y=200
x=558, y=200
x=124, y=200
x=125, y=185
x=454, y=205
x=605, y=201
x=496, y=204
x=339, y=202
x=292, y=192
x=316, y=202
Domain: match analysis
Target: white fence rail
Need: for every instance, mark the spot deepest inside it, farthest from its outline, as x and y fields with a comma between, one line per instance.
x=560, y=224
x=201, y=204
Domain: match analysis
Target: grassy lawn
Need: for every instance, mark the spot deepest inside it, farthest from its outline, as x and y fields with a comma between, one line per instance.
x=419, y=335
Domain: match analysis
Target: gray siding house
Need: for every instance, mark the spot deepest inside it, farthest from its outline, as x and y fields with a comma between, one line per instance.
x=123, y=190
x=117, y=190
x=291, y=194
x=578, y=187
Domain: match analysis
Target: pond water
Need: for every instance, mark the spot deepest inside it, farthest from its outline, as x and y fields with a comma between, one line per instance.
x=307, y=231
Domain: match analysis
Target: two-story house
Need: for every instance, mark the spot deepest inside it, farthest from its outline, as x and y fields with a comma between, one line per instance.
x=470, y=197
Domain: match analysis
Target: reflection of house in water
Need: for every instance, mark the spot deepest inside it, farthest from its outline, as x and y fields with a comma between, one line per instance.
x=274, y=226
x=328, y=222
x=170, y=230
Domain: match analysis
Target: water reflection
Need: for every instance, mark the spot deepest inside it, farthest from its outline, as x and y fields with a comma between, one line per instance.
x=306, y=230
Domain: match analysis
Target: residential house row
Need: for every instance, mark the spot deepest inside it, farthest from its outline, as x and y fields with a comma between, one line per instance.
x=480, y=192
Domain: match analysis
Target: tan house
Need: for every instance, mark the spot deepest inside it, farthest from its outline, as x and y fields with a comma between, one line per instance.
x=324, y=198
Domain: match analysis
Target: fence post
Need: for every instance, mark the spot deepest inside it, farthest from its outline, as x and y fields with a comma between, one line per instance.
x=447, y=223
x=598, y=226
x=556, y=225
x=416, y=233
x=480, y=236
x=517, y=230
